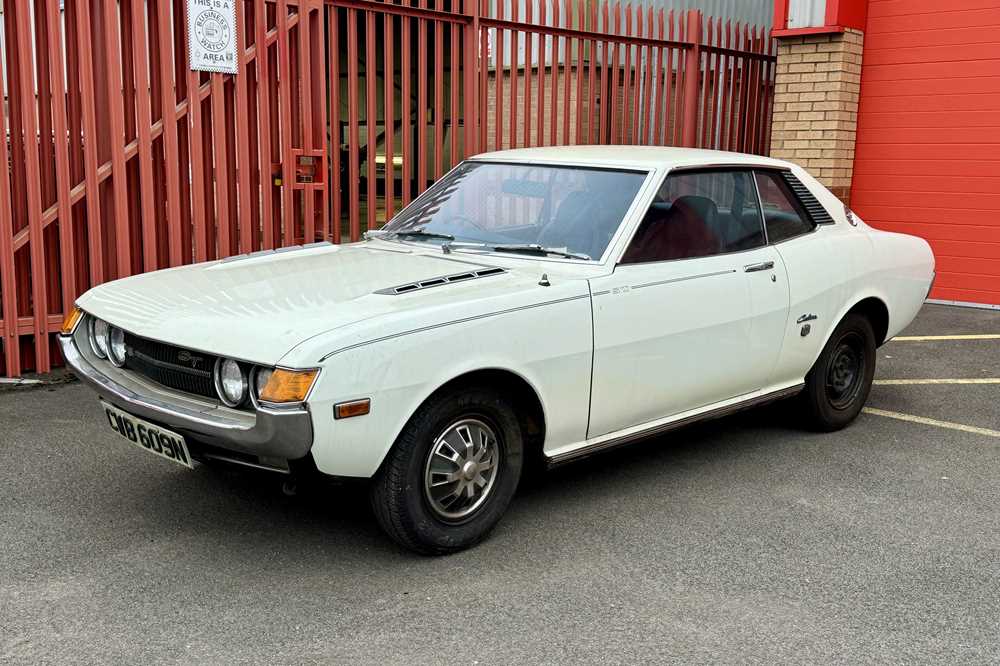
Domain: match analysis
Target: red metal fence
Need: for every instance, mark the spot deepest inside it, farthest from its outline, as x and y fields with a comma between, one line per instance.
x=542, y=72
x=121, y=160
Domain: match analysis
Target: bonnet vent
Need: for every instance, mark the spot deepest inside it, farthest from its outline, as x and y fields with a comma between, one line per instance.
x=440, y=281
x=809, y=201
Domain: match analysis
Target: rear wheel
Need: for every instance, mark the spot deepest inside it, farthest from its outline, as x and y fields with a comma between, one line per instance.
x=838, y=384
x=452, y=472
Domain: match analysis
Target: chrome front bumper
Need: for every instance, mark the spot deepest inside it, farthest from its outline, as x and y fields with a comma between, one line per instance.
x=286, y=434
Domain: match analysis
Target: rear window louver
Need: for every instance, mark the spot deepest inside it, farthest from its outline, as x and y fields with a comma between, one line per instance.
x=808, y=200
x=440, y=281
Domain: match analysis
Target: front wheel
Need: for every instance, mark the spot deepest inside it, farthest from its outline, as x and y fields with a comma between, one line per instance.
x=838, y=384
x=452, y=472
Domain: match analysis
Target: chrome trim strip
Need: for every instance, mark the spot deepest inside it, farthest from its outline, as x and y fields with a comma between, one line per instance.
x=681, y=279
x=615, y=442
x=449, y=323
x=734, y=166
x=760, y=206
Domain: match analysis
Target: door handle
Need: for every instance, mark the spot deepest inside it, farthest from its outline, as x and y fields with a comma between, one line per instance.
x=762, y=266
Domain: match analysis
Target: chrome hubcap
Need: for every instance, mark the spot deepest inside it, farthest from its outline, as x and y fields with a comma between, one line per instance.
x=461, y=468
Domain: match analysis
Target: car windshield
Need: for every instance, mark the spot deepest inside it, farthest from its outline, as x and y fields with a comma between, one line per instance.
x=536, y=210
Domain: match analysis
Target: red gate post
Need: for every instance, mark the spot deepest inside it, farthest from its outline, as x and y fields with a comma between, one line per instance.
x=33, y=178
x=244, y=159
x=144, y=123
x=116, y=123
x=60, y=122
x=286, y=121
x=692, y=64
x=470, y=67
x=8, y=284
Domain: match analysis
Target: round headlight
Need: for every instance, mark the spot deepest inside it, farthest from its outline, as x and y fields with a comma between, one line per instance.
x=230, y=382
x=260, y=379
x=116, y=348
x=99, y=337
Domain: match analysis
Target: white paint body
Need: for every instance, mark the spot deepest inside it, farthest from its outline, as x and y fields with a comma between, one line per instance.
x=606, y=359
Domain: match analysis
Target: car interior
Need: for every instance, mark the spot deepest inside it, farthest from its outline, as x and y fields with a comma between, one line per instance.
x=584, y=222
x=683, y=226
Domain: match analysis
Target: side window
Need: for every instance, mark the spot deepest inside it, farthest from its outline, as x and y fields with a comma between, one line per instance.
x=783, y=214
x=698, y=214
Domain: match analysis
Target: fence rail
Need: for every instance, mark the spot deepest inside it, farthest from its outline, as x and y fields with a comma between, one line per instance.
x=121, y=160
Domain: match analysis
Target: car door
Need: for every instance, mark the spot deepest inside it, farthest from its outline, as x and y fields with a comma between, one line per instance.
x=674, y=323
x=817, y=262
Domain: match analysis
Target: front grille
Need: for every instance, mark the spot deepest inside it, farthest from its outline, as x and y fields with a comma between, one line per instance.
x=173, y=367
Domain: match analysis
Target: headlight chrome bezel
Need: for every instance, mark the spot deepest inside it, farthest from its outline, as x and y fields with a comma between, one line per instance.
x=116, y=361
x=218, y=381
x=96, y=338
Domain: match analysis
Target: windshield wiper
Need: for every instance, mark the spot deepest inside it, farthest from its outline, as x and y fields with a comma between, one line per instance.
x=469, y=245
x=407, y=233
x=420, y=233
x=539, y=250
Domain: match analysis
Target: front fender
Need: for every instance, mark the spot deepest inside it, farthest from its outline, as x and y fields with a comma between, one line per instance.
x=549, y=346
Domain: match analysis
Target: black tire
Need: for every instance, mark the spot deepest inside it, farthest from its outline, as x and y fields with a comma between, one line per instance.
x=837, y=386
x=400, y=498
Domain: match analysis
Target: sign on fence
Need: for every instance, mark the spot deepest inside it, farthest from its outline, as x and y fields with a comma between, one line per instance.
x=212, y=35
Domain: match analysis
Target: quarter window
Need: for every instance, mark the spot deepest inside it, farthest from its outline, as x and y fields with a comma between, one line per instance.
x=783, y=214
x=699, y=214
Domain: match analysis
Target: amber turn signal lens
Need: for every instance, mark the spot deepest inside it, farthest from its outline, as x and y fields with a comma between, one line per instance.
x=288, y=385
x=346, y=410
x=72, y=319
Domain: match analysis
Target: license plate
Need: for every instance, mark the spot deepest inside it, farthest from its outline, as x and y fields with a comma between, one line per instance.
x=150, y=437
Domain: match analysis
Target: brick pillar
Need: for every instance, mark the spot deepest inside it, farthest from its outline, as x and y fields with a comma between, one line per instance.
x=816, y=105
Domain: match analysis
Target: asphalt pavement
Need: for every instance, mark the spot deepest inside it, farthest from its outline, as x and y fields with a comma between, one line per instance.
x=742, y=540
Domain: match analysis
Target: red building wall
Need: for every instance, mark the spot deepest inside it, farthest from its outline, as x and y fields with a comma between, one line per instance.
x=927, y=160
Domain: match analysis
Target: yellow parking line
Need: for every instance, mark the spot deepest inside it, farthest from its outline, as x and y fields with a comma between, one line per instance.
x=905, y=382
x=931, y=338
x=932, y=422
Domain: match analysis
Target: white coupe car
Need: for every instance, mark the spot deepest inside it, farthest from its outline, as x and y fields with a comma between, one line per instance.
x=536, y=304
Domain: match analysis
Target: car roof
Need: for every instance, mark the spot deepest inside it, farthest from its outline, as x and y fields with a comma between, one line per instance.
x=643, y=157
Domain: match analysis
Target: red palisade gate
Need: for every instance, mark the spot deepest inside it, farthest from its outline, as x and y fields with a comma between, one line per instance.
x=120, y=159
